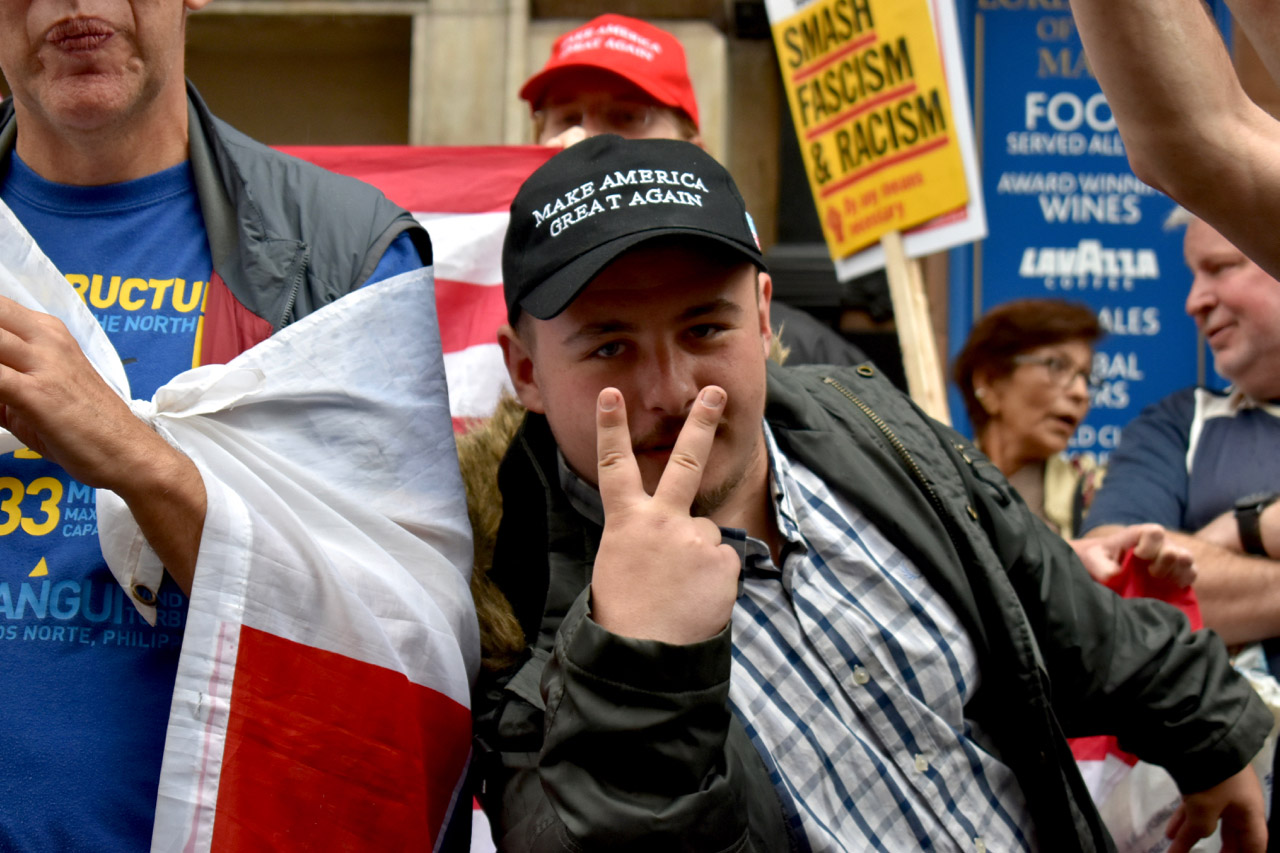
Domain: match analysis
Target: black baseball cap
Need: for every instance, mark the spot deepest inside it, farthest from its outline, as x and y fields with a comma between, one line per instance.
x=597, y=199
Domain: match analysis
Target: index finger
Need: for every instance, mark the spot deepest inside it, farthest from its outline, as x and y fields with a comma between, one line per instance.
x=1150, y=541
x=683, y=475
x=617, y=474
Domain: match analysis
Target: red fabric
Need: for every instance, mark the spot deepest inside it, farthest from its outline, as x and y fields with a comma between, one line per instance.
x=475, y=312
x=446, y=179
x=639, y=52
x=227, y=328
x=1134, y=581
x=303, y=772
x=1099, y=747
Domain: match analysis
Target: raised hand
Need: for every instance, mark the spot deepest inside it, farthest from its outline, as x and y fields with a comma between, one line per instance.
x=54, y=401
x=660, y=573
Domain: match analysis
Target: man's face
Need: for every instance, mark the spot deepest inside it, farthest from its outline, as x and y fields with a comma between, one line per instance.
x=598, y=103
x=1237, y=306
x=659, y=324
x=86, y=65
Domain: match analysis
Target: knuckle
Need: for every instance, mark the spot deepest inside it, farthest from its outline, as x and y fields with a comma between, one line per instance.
x=612, y=458
x=685, y=459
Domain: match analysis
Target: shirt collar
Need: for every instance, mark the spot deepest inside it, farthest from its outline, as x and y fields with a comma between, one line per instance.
x=1238, y=400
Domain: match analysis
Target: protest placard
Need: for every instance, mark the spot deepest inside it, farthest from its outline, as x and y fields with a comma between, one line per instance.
x=885, y=140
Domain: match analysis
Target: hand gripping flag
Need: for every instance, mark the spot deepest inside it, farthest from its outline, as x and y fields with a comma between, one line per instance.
x=462, y=197
x=322, y=696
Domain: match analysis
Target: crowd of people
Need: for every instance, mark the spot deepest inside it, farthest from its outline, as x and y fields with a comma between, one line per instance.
x=734, y=591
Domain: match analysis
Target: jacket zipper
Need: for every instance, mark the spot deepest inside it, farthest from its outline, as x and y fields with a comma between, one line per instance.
x=287, y=317
x=908, y=460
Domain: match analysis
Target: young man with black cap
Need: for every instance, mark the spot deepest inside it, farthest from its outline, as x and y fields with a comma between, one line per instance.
x=772, y=609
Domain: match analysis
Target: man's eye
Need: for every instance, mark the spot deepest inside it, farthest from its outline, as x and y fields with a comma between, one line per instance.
x=609, y=350
x=705, y=330
x=622, y=117
x=566, y=118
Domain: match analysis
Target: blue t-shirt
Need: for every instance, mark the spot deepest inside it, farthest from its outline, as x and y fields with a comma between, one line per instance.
x=86, y=684
x=1187, y=459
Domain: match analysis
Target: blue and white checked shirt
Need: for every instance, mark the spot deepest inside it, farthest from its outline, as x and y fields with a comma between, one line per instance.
x=850, y=674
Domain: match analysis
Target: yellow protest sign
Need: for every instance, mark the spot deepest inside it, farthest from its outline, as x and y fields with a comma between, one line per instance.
x=869, y=100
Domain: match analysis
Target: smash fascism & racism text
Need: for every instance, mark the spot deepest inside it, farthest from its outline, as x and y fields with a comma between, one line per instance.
x=856, y=92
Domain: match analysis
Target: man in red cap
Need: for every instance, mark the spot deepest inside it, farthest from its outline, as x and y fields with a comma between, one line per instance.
x=620, y=75
x=613, y=74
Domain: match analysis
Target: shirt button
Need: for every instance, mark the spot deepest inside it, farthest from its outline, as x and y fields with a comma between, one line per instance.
x=922, y=764
x=143, y=594
x=860, y=676
x=980, y=845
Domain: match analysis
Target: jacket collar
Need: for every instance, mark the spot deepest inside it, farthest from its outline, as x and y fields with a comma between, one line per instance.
x=245, y=254
x=8, y=135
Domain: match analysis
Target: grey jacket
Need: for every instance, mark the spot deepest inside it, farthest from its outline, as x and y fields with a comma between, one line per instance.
x=287, y=237
x=598, y=742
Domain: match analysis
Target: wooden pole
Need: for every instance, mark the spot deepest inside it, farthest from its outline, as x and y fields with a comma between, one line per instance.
x=915, y=331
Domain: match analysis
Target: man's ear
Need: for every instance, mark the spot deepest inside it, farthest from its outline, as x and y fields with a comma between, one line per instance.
x=195, y=5
x=764, y=297
x=519, y=360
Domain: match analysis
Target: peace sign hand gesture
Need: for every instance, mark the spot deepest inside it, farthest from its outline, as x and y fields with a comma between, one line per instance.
x=660, y=573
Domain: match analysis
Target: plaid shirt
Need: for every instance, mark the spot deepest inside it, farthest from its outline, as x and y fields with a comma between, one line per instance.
x=850, y=674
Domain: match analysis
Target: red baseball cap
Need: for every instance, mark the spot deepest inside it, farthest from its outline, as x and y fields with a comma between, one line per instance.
x=640, y=53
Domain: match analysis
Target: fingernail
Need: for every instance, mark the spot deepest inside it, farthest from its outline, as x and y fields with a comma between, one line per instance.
x=608, y=400
x=712, y=396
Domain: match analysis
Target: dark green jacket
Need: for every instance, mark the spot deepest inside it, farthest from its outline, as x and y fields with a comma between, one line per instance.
x=598, y=742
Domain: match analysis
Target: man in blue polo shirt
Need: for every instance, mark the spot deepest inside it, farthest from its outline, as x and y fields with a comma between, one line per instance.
x=189, y=243
x=1206, y=463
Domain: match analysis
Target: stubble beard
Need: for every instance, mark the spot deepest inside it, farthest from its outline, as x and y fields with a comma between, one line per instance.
x=708, y=501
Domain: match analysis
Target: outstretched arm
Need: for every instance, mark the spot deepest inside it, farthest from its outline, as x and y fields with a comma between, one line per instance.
x=1188, y=126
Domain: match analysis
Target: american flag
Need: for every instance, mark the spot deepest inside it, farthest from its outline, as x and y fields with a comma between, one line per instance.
x=462, y=196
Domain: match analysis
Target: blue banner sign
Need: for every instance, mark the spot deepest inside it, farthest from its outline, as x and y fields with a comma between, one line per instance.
x=1067, y=218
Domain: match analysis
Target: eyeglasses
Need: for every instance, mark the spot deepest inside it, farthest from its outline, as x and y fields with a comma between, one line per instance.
x=625, y=118
x=1062, y=372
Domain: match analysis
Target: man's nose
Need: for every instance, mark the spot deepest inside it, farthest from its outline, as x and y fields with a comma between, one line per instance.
x=667, y=383
x=1201, y=298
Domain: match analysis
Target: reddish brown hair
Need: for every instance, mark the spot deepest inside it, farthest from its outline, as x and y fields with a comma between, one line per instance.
x=1011, y=329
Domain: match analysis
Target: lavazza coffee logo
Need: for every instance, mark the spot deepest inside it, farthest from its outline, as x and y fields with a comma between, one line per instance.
x=617, y=191
x=1089, y=266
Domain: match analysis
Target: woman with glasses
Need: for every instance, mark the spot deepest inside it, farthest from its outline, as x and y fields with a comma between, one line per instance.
x=1026, y=375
